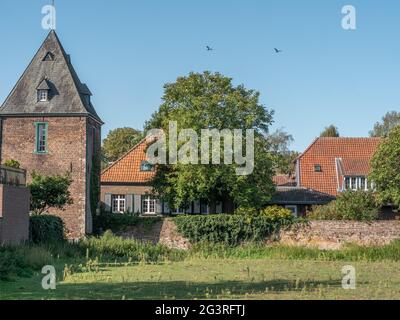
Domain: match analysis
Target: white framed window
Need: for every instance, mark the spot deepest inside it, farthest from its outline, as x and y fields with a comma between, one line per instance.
x=148, y=205
x=293, y=209
x=118, y=203
x=42, y=95
x=357, y=183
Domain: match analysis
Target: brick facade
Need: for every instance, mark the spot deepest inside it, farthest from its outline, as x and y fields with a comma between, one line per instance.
x=70, y=149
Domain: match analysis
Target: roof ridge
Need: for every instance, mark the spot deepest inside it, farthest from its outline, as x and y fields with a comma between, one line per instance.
x=124, y=155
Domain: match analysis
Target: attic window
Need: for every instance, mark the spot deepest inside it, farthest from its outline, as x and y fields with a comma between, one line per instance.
x=49, y=57
x=43, y=95
x=318, y=168
x=145, y=166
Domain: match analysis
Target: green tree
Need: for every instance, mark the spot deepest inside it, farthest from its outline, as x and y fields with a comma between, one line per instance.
x=211, y=101
x=330, y=132
x=120, y=141
x=283, y=157
x=49, y=192
x=385, y=172
x=389, y=121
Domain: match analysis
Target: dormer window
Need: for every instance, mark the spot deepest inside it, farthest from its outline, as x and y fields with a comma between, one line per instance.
x=43, y=91
x=146, y=166
x=43, y=95
x=318, y=168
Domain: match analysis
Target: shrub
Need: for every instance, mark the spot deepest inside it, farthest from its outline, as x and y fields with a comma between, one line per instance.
x=229, y=229
x=350, y=205
x=246, y=211
x=12, y=164
x=118, y=222
x=46, y=228
x=276, y=213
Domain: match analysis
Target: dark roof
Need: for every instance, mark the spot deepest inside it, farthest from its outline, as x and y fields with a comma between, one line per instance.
x=44, y=85
x=61, y=78
x=296, y=195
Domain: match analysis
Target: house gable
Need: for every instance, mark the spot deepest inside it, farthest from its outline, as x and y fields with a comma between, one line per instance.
x=326, y=161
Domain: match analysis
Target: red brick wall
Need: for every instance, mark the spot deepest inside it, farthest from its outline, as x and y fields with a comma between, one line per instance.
x=67, y=145
x=14, y=214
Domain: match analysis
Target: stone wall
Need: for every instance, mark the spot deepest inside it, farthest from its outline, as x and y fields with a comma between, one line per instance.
x=332, y=235
x=14, y=214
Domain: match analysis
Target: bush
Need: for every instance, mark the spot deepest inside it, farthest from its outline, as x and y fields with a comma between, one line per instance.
x=12, y=164
x=119, y=222
x=350, y=205
x=276, y=213
x=229, y=229
x=50, y=192
x=246, y=211
x=46, y=228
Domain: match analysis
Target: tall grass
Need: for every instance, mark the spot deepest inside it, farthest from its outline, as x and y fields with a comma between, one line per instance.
x=22, y=261
x=389, y=252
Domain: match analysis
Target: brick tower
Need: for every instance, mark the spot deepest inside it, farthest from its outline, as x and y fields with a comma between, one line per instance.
x=50, y=126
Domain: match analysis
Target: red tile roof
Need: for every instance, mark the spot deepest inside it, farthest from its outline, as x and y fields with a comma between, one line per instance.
x=284, y=180
x=127, y=168
x=353, y=154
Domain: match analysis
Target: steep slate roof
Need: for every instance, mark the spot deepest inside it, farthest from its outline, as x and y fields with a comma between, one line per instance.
x=300, y=196
x=126, y=170
x=50, y=67
x=337, y=157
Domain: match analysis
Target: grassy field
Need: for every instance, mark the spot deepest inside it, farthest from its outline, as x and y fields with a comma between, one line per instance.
x=199, y=278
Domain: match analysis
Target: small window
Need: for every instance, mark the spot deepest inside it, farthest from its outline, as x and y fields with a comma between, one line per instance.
x=41, y=137
x=148, y=205
x=49, y=57
x=347, y=183
x=362, y=184
x=118, y=203
x=318, y=168
x=43, y=95
x=146, y=166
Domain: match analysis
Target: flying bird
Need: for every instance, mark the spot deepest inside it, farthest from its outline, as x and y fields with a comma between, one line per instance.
x=209, y=48
x=277, y=50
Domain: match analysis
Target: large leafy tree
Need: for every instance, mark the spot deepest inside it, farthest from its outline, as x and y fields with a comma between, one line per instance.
x=385, y=172
x=389, y=121
x=330, y=132
x=210, y=101
x=118, y=142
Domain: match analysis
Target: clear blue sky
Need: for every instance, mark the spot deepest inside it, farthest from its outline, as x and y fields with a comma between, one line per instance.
x=125, y=50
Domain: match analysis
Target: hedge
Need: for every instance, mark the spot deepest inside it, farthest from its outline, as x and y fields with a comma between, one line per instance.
x=46, y=228
x=230, y=229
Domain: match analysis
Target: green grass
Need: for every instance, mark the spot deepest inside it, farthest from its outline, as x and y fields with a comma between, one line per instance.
x=113, y=268
x=216, y=279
